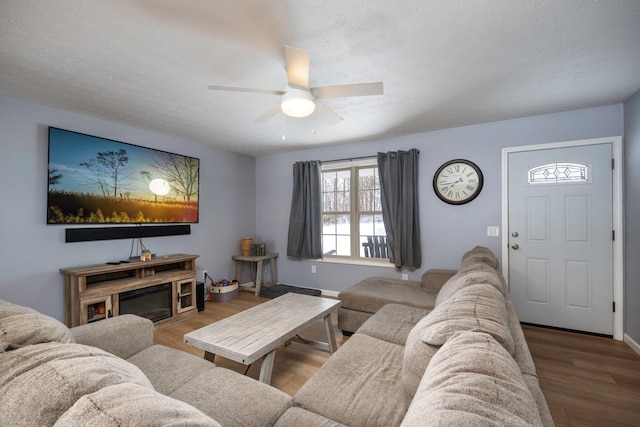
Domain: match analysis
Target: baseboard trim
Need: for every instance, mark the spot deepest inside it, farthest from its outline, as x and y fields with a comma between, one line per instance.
x=631, y=343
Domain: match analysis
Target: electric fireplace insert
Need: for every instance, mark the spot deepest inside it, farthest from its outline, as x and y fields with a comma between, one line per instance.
x=153, y=302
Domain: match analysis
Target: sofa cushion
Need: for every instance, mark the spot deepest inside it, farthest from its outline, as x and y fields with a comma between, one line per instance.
x=360, y=384
x=371, y=294
x=159, y=365
x=415, y=358
x=471, y=275
x=38, y=383
x=393, y=322
x=434, y=278
x=538, y=396
x=479, y=254
x=472, y=380
x=123, y=335
x=132, y=405
x=233, y=399
x=523, y=359
x=20, y=326
x=475, y=308
x=298, y=417
x=522, y=355
x=351, y=320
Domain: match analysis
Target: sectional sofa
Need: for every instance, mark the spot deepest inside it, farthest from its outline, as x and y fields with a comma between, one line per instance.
x=109, y=374
x=463, y=362
x=447, y=351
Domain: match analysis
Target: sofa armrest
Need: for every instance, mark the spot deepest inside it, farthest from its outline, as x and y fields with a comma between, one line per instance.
x=434, y=279
x=123, y=335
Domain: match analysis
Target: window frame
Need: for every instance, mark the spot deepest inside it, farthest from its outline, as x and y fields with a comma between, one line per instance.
x=354, y=214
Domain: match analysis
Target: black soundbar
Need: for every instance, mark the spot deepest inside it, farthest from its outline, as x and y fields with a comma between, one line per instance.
x=112, y=233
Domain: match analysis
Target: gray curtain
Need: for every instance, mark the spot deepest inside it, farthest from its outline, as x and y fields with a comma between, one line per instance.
x=305, y=221
x=399, y=196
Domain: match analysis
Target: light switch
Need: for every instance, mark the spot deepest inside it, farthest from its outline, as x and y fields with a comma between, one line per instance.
x=493, y=231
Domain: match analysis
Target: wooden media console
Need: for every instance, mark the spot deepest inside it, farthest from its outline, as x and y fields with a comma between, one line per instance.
x=92, y=292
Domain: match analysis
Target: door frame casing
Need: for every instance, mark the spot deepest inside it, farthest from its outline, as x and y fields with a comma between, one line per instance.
x=618, y=216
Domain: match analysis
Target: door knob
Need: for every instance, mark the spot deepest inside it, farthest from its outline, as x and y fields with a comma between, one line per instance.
x=515, y=234
x=515, y=246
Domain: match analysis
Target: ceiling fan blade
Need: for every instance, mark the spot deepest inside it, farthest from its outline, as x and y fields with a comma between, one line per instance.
x=269, y=114
x=327, y=114
x=246, y=89
x=297, y=63
x=344, y=91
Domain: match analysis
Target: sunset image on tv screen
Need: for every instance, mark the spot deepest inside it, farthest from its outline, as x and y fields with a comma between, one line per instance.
x=99, y=181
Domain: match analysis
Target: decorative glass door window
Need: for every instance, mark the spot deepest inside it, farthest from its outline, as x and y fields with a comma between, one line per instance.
x=558, y=173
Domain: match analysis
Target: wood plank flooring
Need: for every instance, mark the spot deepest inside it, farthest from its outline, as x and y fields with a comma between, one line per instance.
x=587, y=381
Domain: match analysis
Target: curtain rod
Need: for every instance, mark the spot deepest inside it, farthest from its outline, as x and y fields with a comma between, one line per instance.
x=353, y=158
x=349, y=159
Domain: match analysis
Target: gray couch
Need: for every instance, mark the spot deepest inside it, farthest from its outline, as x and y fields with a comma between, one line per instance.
x=109, y=373
x=464, y=361
x=452, y=353
x=366, y=297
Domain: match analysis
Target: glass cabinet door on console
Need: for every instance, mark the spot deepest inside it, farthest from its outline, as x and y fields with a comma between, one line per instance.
x=95, y=309
x=186, y=295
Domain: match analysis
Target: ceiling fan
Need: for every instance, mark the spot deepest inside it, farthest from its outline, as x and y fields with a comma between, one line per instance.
x=299, y=100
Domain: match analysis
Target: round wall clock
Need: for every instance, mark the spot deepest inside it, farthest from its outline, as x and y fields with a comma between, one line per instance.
x=458, y=182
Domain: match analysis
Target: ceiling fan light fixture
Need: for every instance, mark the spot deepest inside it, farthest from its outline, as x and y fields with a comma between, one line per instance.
x=297, y=103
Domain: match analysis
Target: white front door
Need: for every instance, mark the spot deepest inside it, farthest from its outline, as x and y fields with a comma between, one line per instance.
x=560, y=236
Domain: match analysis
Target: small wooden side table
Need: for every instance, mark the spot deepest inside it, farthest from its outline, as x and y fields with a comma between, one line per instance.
x=257, y=261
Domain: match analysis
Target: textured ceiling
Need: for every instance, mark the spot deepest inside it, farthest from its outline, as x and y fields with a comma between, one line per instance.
x=444, y=63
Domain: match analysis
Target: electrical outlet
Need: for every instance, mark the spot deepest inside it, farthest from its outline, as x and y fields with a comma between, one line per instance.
x=204, y=275
x=313, y=268
x=405, y=276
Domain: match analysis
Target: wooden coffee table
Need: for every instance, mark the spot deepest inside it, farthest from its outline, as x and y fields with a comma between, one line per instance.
x=259, y=331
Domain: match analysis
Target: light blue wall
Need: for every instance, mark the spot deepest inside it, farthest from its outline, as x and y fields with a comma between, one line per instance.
x=32, y=252
x=632, y=220
x=242, y=196
x=447, y=231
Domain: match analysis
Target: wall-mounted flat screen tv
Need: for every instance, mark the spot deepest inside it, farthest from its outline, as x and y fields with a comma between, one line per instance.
x=95, y=180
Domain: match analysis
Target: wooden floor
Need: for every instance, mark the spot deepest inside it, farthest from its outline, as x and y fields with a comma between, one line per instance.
x=587, y=381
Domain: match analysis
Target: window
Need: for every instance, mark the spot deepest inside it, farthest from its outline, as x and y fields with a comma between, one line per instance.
x=352, y=226
x=558, y=173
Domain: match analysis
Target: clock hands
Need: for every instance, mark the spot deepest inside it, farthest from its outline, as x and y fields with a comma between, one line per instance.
x=452, y=183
